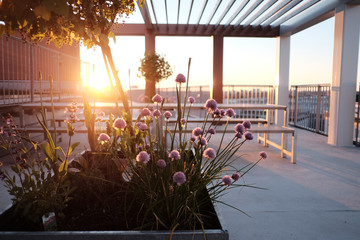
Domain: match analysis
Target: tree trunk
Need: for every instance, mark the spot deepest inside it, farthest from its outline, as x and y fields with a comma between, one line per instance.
x=128, y=118
x=123, y=97
x=150, y=90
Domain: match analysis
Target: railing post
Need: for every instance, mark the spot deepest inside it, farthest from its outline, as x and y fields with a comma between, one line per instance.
x=318, y=107
x=296, y=102
x=31, y=73
x=228, y=95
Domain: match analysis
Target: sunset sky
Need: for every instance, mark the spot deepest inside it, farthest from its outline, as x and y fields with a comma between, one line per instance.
x=247, y=61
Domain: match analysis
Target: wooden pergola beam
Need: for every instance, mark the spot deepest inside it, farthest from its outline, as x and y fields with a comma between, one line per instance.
x=192, y=30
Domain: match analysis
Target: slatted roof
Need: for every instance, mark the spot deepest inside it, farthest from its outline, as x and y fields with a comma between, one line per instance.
x=248, y=18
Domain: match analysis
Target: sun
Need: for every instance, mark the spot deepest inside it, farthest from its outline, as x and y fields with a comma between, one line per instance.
x=94, y=76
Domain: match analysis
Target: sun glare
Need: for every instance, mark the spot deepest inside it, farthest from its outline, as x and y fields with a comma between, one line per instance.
x=127, y=55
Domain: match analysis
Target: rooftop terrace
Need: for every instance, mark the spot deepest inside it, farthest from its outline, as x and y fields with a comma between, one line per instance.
x=317, y=198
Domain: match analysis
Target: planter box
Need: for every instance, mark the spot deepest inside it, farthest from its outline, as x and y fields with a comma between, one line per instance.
x=14, y=228
x=211, y=234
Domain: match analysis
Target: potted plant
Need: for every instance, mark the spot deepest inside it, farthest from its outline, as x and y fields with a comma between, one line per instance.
x=160, y=187
x=153, y=68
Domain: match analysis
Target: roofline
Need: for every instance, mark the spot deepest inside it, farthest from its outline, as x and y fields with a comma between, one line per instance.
x=313, y=16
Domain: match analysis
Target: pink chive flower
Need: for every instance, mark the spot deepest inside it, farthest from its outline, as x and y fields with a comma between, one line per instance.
x=143, y=157
x=167, y=114
x=249, y=136
x=192, y=139
x=203, y=141
x=238, y=135
x=247, y=124
x=239, y=128
x=180, y=78
x=209, y=153
x=222, y=112
x=263, y=154
x=143, y=127
x=191, y=100
x=119, y=123
x=174, y=155
x=156, y=113
x=161, y=163
x=103, y=138
x=211, y=104
x=179, y=178
x=216, y=113
x=147, y=146
x=230, y=112
x=157, y=98
x=197, y=132
x=235, y=176
x=145, y=112
x=183, y=121
x=226, y=180
x=212, y=131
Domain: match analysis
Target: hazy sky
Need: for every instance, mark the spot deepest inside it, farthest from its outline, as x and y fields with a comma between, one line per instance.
x=247, y=61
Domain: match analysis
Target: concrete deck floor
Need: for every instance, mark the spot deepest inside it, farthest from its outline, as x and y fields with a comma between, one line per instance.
x=317, y=198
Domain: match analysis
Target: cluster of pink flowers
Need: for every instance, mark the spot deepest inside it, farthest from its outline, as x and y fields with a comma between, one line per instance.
x=157, y=99
x=174, y=155
x=156, y=113
x=211, y=105
x=72, y=109
x=167, y=114
x=179, y=177
x=119, y=123
x=103, y=138
x=191, y=100
x=143, y=157
x=209, y=153
x=180, y=78
x=241, y=130
x=199, y=137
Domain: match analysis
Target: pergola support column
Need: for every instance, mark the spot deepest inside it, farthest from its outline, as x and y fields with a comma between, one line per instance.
x=282, y=73
x=150, y=87
x=343, y=87
x=150, y=42
x=217, y=86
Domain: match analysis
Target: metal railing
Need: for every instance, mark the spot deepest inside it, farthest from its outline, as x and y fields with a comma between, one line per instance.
x=232, y=94
x=19, y=67
x=357, y=120
x=309, y=107
x=249, y=94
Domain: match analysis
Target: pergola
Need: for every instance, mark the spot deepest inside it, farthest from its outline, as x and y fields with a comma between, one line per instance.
x=265, y=18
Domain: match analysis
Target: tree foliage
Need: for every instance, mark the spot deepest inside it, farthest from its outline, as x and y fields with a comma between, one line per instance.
x=63, y=21
x=66, y=21
x=154, y=68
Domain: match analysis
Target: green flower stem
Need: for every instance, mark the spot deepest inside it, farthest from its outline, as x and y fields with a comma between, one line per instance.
x=187, y=85
x=222, y=137
x=187, y=117
x=53, y=110
x=206, y=118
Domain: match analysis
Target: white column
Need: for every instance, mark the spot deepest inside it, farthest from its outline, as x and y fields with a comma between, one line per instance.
x=282, y=76
x=343, y=87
